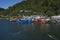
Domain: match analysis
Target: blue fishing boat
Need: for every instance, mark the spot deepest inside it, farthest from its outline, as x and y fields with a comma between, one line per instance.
x=30, y=20
x=23, y=21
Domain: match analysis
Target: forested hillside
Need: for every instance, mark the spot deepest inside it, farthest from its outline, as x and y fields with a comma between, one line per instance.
x=2, y=9
x=30, y=7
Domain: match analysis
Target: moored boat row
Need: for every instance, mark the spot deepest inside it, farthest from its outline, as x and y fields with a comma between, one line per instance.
x=31, y=19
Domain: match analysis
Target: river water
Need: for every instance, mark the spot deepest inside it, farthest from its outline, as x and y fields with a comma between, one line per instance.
x=14, y=31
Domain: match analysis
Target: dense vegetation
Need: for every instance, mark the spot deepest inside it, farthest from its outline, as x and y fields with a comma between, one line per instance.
x=45, y=7
x=2, y=9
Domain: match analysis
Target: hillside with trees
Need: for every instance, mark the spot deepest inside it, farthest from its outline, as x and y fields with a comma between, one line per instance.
x=2, y=9
x=30, y=7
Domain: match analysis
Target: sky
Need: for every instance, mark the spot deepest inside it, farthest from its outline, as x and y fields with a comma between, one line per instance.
x=6, y=3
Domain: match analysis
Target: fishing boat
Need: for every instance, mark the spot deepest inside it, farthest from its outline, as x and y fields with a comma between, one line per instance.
x=23, y=21
x=55, y=19
x=14, y=19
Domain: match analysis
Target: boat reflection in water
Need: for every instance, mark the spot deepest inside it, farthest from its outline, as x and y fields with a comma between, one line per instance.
x=30, y=31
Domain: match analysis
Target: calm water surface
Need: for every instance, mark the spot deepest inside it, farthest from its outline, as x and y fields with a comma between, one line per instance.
x=14, y=31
